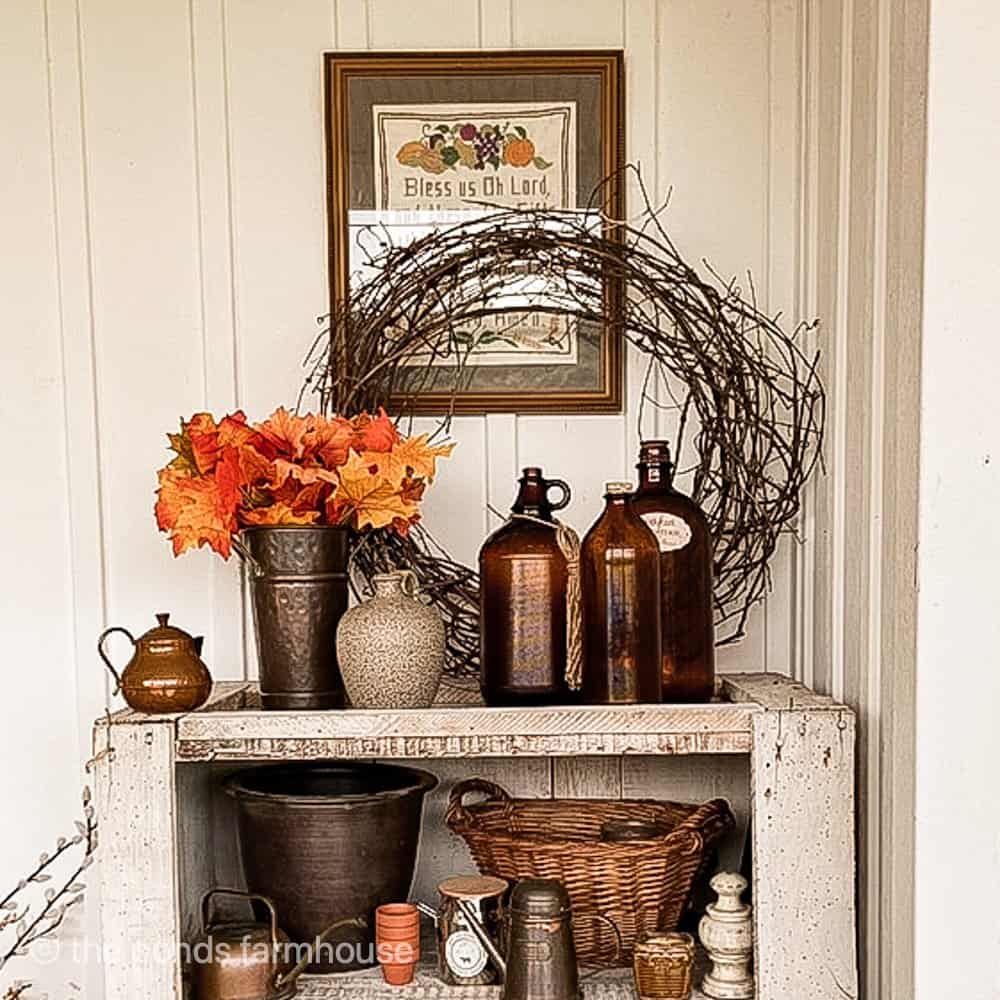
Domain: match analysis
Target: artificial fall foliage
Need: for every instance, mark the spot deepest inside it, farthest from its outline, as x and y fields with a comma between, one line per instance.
x=227, y=475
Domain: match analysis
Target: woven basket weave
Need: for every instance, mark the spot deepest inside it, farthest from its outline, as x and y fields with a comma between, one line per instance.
x=642, y=886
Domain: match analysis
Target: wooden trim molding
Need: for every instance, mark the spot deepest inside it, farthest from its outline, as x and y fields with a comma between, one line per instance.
x=862, y=205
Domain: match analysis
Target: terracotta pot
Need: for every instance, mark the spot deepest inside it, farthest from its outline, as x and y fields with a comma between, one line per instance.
x=391, y=647
x=397, y=915
x=398, y=975
x=330, y=840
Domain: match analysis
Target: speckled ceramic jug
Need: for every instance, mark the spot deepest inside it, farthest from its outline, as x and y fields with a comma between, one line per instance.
x=391, y=647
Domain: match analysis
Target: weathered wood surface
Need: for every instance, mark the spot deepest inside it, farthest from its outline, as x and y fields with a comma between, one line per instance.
x=772, y=691
x=612, y=984
x=140, y=913
x=802, y=804
x=466, y=732
x=226, y=696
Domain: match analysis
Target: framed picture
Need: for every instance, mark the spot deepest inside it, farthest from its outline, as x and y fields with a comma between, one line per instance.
x=417, y=141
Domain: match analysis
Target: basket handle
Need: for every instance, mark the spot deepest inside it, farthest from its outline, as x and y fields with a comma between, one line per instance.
x=706, y=824
x=456, y=813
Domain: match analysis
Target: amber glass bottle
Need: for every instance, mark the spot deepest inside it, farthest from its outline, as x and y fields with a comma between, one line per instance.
x=687, y=633
x=522, y=602
x=620, y=574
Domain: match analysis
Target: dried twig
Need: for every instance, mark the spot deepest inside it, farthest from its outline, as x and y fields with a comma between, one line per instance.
x=15, y=912
x=749, y=402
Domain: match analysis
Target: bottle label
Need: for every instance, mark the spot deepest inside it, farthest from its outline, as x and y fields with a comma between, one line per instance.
x=465, y=956
x=672, y=532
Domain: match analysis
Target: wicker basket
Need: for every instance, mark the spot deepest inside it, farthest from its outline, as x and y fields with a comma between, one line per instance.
x=663, y=967
x=642, y=886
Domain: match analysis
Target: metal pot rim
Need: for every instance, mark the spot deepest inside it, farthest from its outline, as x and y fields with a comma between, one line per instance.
x=419, y=781
x=254, y=528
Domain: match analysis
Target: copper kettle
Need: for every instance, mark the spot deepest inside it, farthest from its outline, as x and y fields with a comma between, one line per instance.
x=166, y=672
x=249, y=960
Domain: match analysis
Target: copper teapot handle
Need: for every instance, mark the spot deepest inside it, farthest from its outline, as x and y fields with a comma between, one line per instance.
x=104, y=656
x=207, y=924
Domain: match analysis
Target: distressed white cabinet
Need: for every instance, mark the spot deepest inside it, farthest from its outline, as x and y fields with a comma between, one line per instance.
x=782, y=755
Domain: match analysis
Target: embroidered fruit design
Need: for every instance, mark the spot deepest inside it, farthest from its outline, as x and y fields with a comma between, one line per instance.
x=448, y=146
x=519, y=152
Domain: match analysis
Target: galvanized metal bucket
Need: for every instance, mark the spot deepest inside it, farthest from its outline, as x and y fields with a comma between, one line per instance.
x=299, y=587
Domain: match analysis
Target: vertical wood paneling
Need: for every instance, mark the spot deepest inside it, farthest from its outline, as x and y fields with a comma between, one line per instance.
x=713, y=134
x=587, y=777
x=780, y=278
x=225, y=645
x=434, y=24
x=35, y=588
x=74, y=298
x=567, y=23
x=278, y=190
x=149, y=358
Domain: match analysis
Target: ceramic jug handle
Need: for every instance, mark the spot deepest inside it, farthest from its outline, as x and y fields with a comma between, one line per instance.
x=409, y=584
x=104, y=656
x=560, y=485
x=618, y=941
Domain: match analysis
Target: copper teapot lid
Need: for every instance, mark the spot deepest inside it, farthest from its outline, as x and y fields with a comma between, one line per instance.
x=165, y=634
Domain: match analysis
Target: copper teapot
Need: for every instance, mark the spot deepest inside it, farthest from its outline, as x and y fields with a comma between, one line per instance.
x=166, y=672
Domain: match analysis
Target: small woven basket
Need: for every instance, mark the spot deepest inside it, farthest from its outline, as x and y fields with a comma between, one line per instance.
x=642, y=886
x=663, y=965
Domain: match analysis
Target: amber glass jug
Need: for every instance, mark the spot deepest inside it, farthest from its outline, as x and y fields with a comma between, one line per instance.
x=522, y=597
x=620, y=583
x=687, y=632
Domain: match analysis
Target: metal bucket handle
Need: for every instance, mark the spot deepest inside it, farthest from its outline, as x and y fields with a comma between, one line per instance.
x=243, y=552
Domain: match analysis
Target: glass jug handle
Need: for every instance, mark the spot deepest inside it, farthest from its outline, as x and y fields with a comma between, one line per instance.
x=560, y=485
x=104, y=656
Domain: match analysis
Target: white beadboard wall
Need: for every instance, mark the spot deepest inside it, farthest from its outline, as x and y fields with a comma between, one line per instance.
x=162, y=197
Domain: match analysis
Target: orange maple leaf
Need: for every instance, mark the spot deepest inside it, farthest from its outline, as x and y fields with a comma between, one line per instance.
x=279, y=513
x=282, y=470
x=329, y=440
x=284, y=432
x=374, y=500
x=203, y=434
x=413, y=457
x=374, y=433
x=196, y=511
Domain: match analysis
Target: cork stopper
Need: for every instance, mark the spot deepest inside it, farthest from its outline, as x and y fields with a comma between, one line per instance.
x=618, y=489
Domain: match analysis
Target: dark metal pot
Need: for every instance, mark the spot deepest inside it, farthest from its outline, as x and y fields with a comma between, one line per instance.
x=298, y=579
x=329, y=841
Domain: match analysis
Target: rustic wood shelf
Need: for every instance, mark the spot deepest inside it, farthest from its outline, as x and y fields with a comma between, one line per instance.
x=781, y=753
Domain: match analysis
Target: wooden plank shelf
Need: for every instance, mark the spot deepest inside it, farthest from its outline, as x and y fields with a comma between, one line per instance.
x=613, y=984
x=782, y=754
